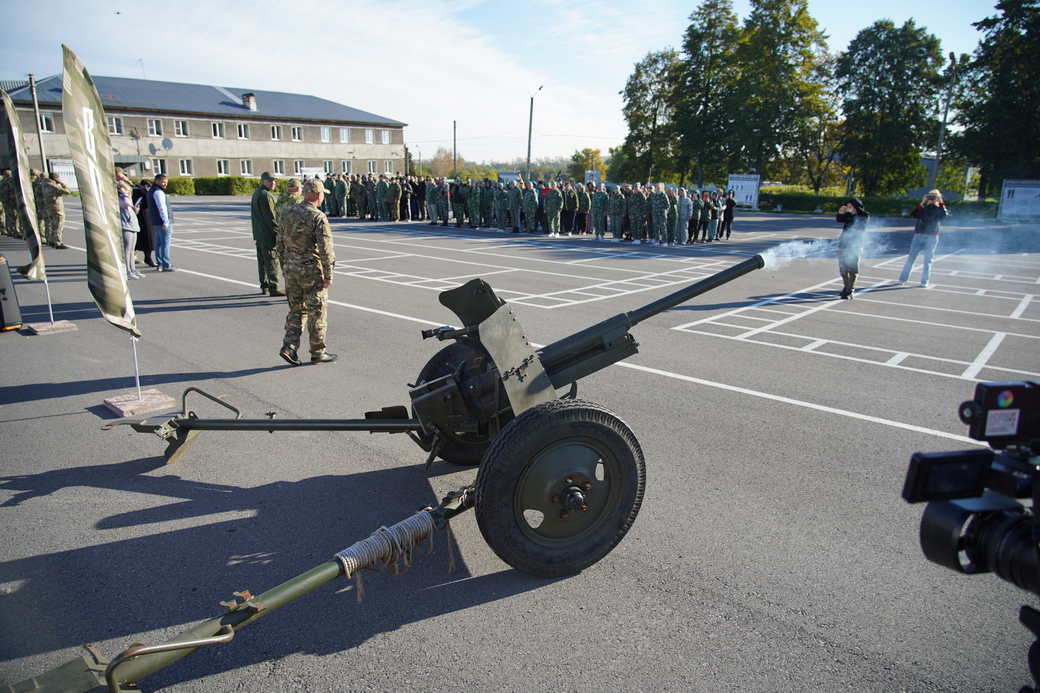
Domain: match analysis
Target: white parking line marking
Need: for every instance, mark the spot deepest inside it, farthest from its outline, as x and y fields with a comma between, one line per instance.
x=980, y=361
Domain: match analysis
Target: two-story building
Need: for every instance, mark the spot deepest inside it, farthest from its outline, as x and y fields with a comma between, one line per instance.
x=201, y=130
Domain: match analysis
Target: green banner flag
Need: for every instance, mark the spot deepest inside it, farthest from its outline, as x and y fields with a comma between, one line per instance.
x=23, y=184
x=87, y=130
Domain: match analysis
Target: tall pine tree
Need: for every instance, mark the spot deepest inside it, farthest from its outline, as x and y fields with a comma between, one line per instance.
x=648, y=109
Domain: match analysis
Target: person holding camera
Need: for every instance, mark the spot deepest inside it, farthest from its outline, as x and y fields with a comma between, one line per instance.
x=853, y=217
x=929, y=215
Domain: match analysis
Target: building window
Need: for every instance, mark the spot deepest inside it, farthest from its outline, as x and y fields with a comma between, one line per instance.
x=344, y=135
x=246, y=166
x=297, y=166
x=279, y=167
x=326, y=134
x=218, y=131
x=388, y=166
x=276, y=132
x=386, y=137
x=297, y=133
x=371, y=167
x=345, y=166
x=115, y=125
x=328, y=165
x=155, y=127
x=243, y=131
x=180, y=128
x=223, y=169
x=47, y=122
x=369, y=136
x=158, y=167
x=185, y=167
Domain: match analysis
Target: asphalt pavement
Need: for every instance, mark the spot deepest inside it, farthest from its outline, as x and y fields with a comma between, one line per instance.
x=772, y=553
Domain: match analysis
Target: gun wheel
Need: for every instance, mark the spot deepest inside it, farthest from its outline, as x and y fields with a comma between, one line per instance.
x=559, y=487
x=465, y=449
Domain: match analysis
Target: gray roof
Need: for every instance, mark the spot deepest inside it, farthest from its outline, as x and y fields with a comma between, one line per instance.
x=122, y=93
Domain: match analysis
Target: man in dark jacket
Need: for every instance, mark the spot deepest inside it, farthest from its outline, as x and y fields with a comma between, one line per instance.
x=265, y=234
x=929, y=214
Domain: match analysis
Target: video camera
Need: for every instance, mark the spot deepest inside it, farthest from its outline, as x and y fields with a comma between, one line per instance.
x=974, y=522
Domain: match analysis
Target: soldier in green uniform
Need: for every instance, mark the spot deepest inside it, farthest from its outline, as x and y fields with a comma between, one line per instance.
x=616, y=213
x=53, y=206
x=342, y=189
x=599, y=212
x=553, y=205
x=287, y=198
x=514, y=205
x=371, y=210
x=487, y=204
x=658, y=214
x=9, y=197
x=501, y=204
x=432, y=192
x=381, y=189
x=473, y=205
x=670, y=222
x=529, y=204
x=308, y=256
x=581, y=218
x=443, y=201
x=570, y=208
x=393, y=199
x=329, y=206
x=636, y=214
x=265, y=235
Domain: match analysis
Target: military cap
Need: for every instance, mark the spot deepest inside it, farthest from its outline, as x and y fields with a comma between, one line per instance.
x=266, y=176
x=292, y=183
x=313, y=185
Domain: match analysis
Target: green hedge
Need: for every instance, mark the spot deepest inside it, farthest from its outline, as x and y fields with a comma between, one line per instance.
x=180, y=186
x=878, y=206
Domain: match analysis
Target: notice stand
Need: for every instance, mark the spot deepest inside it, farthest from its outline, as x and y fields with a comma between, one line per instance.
x=139, y=402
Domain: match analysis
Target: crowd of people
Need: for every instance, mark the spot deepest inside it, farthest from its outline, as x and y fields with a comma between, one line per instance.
x=48, y=191
x=665, y=215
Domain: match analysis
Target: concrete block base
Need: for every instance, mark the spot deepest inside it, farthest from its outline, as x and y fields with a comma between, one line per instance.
x=45, y=328
x=150, y=401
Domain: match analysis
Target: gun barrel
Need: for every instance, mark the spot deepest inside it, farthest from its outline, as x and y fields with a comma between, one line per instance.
x=707, y=284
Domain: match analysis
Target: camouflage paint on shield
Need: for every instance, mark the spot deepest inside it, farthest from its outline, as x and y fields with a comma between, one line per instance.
x=87, y=131
x=26, y=200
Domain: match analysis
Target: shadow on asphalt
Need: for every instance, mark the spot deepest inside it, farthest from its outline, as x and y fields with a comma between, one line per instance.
x=123, y=588
x=87, y=310
x=37, y=391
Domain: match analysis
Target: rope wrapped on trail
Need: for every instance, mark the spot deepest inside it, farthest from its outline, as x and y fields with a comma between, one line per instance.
x=388, y=547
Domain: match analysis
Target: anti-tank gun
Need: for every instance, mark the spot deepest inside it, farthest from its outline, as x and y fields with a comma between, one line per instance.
x=559, y=483
x=560, y=480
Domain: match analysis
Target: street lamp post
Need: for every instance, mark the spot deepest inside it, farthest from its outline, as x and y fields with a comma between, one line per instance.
x=934, y=175
x=530, y=121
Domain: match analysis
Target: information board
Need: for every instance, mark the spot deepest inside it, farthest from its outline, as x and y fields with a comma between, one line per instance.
x=1019, y=199
x=745, y=189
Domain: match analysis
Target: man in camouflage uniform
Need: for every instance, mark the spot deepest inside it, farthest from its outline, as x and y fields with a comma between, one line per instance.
x=616, y=212
x=599, y=212
x=287, y=198
x=265, y=234
x=553, y=205
x=342, y=190
x=329, y=206
x=370, y=198
x=9, y=197
x=581, y=218
x=487, y=204
x=636, y=213
x=501, y=207
x=458, y=203
x=432, y=193
x=54, y=209
x=443, y=201
x=658, y=214
x=514, y=205
x=473, y=205
x=529, y=203
x=381, y=189
x=393, y=199
x=307, y=255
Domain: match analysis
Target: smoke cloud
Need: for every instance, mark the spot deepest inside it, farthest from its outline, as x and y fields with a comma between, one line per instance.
x=874, y=244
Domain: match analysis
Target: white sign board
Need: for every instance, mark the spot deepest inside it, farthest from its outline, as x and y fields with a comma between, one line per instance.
x=1019, y=199
x=592, y=177
x=65, y=171
x=312, y=172
x=745, y=188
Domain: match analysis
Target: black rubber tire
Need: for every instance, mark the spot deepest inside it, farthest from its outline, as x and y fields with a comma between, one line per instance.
x=527, y=441
x=466, y=449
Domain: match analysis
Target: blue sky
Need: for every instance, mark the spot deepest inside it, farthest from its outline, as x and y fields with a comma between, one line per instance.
x=425, y=62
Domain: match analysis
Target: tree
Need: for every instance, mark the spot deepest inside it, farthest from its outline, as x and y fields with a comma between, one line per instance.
x=777, y=81
x=888, y=79
x=702, y=90
x=812, y=152
x=1001, y=101
x=586, y=160
x=441, y=164
x=648, y=109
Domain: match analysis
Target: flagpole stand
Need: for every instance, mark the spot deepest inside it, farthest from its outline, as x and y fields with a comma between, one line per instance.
x=54, y=326
x=139, y=402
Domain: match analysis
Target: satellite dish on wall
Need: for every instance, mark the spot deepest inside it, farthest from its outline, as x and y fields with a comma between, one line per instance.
x=167, y=143
x=152, y=149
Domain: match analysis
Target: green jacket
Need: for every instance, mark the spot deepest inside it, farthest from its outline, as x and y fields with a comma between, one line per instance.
x=262, y=213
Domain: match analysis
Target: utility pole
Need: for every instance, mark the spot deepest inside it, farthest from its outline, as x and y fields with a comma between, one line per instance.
x=39, y=130
x=454, y=155
x=530, y=121
x=934, y=175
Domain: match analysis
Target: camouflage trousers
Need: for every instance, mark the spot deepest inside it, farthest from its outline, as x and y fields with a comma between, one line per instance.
x=307, y=300
x=459, y=210
x=442, y=211
x=552, y=221
x=474, y=215
x=529, y=218
x=599, y=224
x=11, y=221
x=54, y=225
x=617, y=225
x=393, y=208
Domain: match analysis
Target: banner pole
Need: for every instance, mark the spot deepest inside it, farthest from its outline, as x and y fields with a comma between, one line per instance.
x=47, y=288
x=137, y=369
